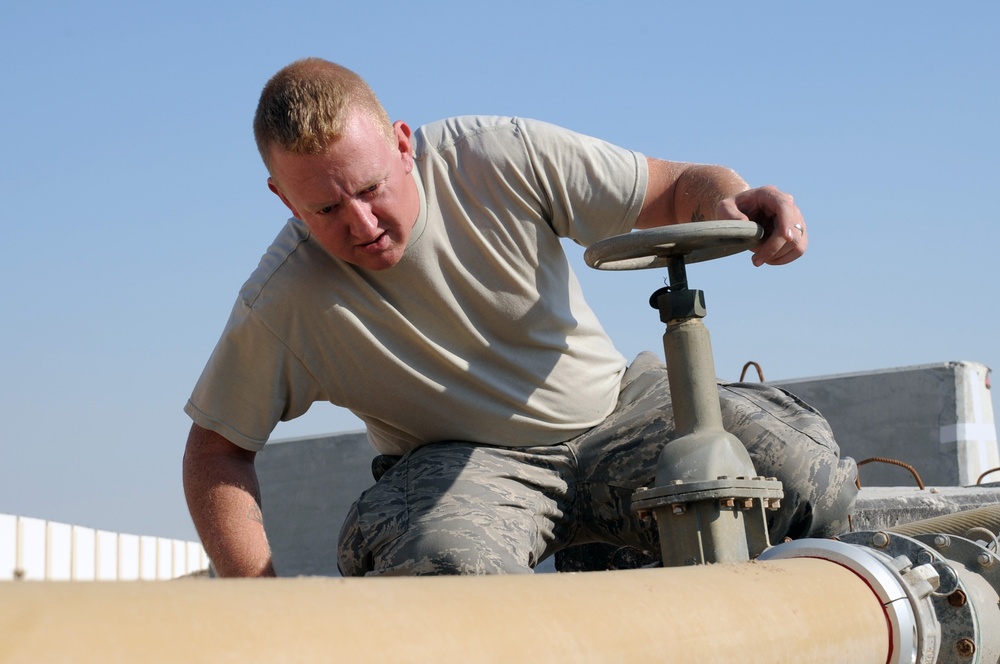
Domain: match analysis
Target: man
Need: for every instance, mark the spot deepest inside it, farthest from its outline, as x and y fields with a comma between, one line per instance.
x=421, y=283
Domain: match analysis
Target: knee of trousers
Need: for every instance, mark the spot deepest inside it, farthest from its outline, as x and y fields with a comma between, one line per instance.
x=432, y=547
x=789, y=439
x=818, y=501
x=440, y=550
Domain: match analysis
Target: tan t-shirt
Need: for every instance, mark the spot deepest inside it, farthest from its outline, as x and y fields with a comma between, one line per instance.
x=480, y=333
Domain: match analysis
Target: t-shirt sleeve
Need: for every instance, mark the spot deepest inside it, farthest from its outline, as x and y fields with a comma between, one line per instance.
x=594, y=189
x=251, y=382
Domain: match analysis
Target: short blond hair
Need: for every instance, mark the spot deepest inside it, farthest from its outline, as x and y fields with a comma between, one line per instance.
x=304, y=108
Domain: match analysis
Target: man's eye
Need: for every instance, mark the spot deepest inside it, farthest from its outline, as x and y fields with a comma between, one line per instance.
x=327, y=210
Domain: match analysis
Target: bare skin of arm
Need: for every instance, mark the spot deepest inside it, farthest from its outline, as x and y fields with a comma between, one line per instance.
x=223, y=496
x=679, y=192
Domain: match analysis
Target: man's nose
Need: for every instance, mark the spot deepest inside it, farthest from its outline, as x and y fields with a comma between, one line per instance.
x=361, y=221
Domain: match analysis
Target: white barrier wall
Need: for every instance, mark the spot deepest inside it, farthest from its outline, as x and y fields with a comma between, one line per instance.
x=39, y=550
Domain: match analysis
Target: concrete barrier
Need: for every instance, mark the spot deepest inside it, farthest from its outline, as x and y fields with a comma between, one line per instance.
x=938, y=418
x=307, y=485
x=39, y=550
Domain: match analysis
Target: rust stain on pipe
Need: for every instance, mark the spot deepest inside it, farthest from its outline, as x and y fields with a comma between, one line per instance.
x=801, y=610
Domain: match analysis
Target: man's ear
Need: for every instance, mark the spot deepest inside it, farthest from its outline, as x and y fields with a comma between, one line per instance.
x=404, y=142
x=277, y=192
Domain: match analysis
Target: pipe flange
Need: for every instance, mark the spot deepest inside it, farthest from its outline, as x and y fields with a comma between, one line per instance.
x=767, y=490
x=970, y=613
x=887, y=585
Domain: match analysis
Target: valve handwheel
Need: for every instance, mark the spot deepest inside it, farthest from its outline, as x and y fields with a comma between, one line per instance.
x=654, y=247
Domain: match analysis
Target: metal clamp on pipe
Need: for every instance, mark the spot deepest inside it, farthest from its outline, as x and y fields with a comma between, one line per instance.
x=939, y=592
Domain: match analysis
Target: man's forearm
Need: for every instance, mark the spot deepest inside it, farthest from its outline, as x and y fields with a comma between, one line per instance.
x=223, y=496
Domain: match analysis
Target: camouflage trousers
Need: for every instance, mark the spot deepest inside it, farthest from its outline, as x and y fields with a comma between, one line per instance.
x=462, y=508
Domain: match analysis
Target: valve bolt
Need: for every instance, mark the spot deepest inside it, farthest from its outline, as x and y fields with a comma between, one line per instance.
x=880, y=540
x=965, y=648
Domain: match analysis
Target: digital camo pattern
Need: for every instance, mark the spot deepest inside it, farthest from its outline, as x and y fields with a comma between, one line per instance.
x=461, y=508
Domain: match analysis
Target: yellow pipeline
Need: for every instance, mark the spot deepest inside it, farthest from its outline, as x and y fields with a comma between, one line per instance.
x=800, y=610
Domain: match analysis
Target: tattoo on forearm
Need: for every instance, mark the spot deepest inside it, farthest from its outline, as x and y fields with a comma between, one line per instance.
x=254, y=514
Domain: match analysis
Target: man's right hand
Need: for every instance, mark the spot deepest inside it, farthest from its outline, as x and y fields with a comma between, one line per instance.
x=786, y=238
x=223, y=496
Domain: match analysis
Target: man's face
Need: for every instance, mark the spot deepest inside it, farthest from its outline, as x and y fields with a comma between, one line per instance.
x=358, y=197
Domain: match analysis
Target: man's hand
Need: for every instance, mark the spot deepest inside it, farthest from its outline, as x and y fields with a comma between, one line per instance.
x=785, y=238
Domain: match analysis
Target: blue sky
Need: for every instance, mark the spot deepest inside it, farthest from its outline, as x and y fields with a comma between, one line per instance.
x=134, y=205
